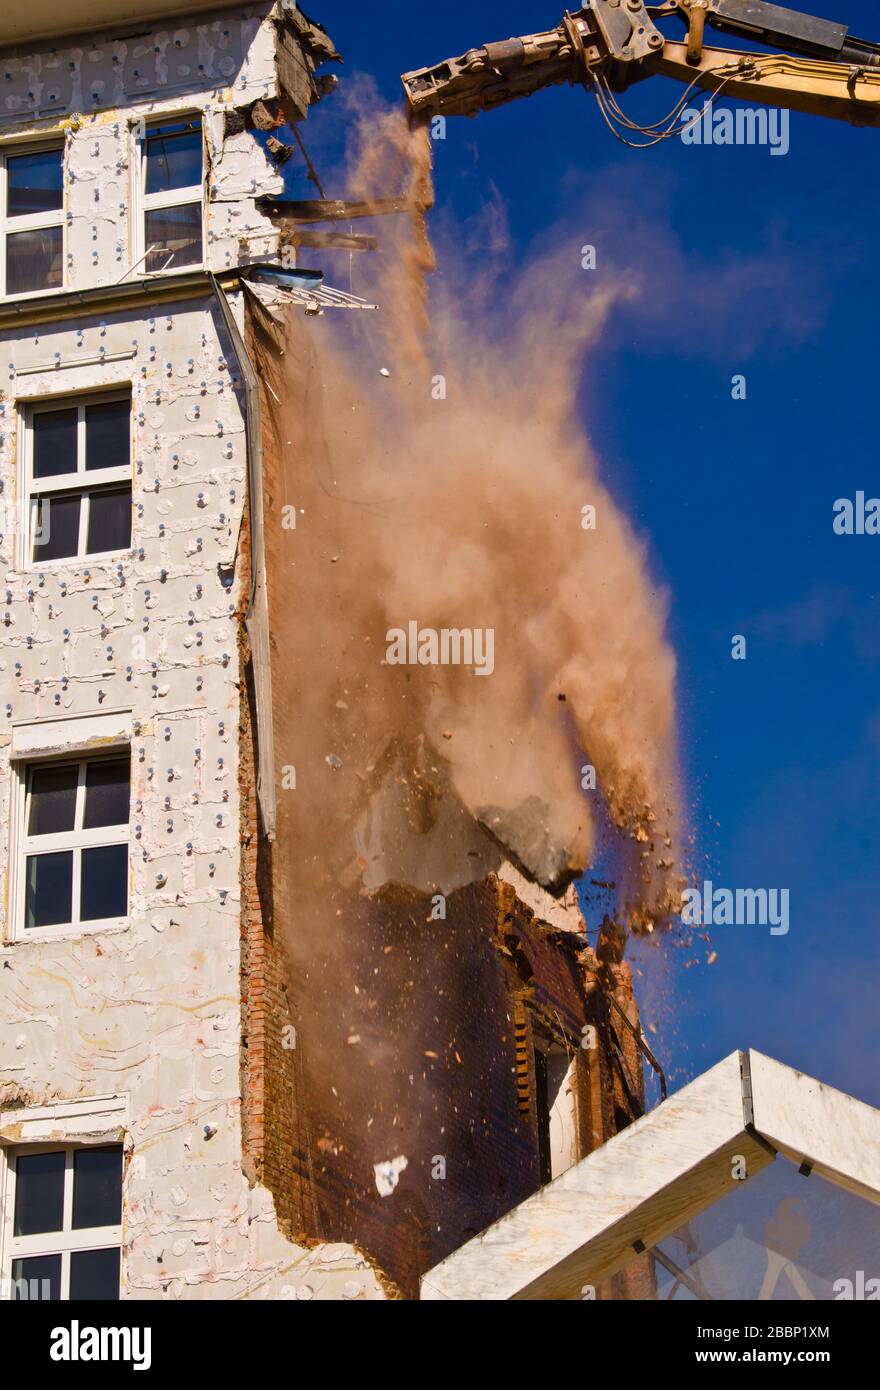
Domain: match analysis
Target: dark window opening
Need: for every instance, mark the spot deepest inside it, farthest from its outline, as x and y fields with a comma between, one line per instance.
x=97, y=1187
x=67, y=445
x=542, y=1104
x=94, y=1275
x=173, y=155
x=622, y=1118
x=67, y=1214
x=54, y=442
x=107, y=793
x=68, y=877
x=109, y=520
x=53, y=799
x=174, y=237
x=41, y=1273
x=34, y=260
x=49, y=895
x=33, y=256
x=39, y=1193
x=108, y=441
x=104, y=883
x=34, y=183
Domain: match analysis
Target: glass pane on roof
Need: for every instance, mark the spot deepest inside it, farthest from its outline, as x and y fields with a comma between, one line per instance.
x=778, y=1236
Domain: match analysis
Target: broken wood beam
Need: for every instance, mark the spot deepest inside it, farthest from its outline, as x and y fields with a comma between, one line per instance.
x=328, y=209
x=267, y=115
x=336, y=241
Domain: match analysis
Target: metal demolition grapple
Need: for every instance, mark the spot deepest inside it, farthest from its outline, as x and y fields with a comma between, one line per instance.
x=609, y=44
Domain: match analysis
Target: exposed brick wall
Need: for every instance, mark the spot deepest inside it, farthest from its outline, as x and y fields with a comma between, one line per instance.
x=440, y=1067
x=267, y=1066
x=430, y=1077
x=414, y=1035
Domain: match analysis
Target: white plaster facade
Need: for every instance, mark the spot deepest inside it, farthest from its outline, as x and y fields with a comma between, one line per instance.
x=133, y=1032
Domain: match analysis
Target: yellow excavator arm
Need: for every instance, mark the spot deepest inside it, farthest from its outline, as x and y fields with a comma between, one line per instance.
x=609, y=44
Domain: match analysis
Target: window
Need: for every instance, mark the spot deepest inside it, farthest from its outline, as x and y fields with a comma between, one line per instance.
x=555, y=1108
x=171, y=189
x=31, y=220
x=73, y=844
x=65, y=1207
x=86, y=443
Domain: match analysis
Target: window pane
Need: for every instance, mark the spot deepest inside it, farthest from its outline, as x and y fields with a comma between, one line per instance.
x=104, y=882
x=109, y=520
x=94, y=1274
x=174, y=157
x=34, y=260
x=42, y=1274
x=174, y=236
x=39, y=1193
x=53, y=800
x=54, y=442
x=106, y=794
x=107, y=435
x=57, y=527
x=97, y=1187
x=49, y=889
x=33, y=183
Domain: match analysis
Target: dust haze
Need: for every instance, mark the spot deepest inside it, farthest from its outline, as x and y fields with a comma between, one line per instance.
x=439, y=471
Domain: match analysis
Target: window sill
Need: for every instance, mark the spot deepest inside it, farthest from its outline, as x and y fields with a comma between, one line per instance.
x=106, y=926
x=77, y=562
x=31, y=294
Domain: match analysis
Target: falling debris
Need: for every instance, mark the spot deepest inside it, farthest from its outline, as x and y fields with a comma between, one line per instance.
x=444, y=867
x=388, y=1174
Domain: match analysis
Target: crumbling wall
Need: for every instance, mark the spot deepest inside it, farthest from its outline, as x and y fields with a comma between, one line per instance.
x=417, y=1013
x=268, y=1054
x=94, y=91
x=247, y=1120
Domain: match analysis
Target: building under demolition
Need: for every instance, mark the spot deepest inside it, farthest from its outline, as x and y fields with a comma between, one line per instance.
x=221, y=1077
x=183, y=1114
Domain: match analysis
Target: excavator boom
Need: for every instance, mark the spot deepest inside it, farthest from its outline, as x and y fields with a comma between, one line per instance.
x=610, y=44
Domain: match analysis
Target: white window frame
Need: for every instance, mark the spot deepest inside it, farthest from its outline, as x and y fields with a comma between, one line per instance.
x=178, y=197
x=76, y=839
x=32, y=222
x=84, y=481
x=63, y=1242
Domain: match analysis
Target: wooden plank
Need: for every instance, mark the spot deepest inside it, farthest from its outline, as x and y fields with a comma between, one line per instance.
x=336, y=241
x=329, y=209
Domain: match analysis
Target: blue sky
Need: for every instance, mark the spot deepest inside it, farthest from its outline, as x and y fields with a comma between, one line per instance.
x=754, y=264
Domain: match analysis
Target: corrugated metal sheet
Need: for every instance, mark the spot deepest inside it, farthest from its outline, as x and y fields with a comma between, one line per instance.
x=313, y=296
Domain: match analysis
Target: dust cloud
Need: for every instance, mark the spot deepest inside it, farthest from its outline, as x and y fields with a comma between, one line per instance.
x=440, y=475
